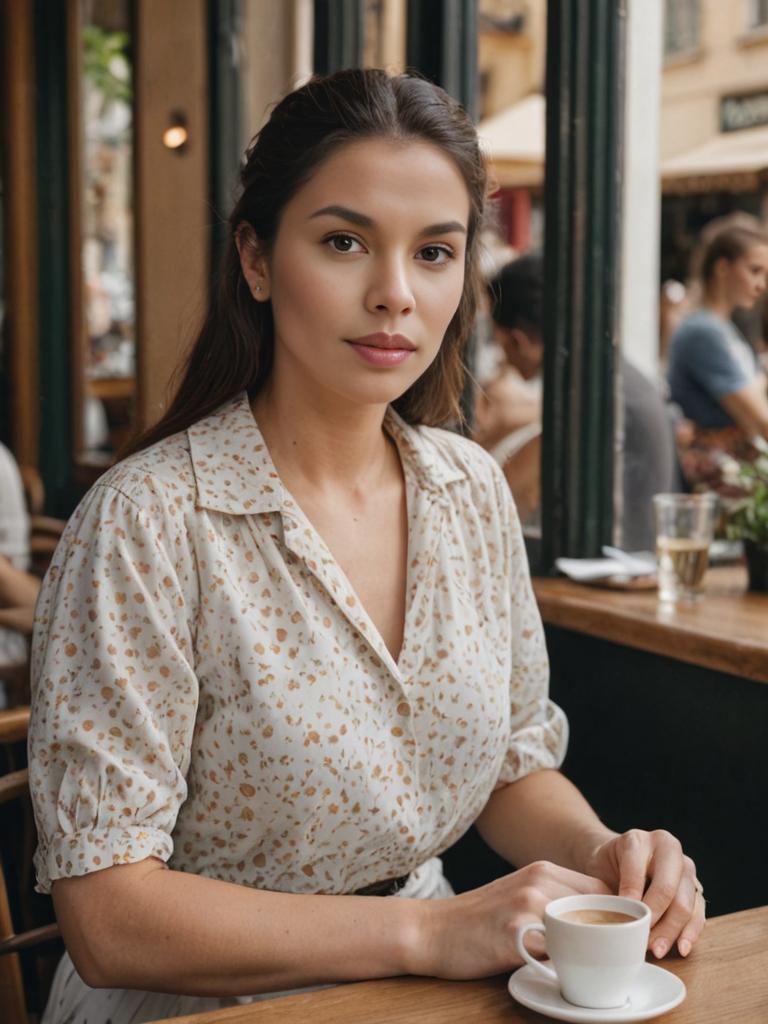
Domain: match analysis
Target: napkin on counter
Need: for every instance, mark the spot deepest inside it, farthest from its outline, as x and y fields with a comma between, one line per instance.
x=584, y=570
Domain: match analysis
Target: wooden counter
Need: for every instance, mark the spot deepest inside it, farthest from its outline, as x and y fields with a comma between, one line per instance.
x=727, y=630
x=726, y=976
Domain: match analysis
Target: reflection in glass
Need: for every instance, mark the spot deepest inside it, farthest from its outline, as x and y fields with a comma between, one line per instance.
x=511, y=53
x=384, y=34
x=681, y=27
x=107, y=226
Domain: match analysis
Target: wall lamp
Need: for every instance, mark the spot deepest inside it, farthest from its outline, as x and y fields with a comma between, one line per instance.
x=176, y=135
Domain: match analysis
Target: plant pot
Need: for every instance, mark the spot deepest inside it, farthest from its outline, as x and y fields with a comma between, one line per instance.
x=757, y=565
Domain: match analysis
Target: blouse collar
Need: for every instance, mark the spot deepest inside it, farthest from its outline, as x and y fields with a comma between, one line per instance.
x=235, y=474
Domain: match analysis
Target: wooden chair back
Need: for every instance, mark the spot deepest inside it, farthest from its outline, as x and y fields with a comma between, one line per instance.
x=17, y=838
x=44, y=530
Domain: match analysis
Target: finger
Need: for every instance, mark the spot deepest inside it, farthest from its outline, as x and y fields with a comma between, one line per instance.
x=534, y=941
x=555, y=881
x=695, y=926
x=668, y=866
x=634, y=853
x=681, y=912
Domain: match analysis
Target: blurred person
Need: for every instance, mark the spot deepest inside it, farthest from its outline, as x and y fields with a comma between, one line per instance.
x=18, y=594
x=508, y=406
x=714, y=373
x=517, y=308
x=14, y=562
x=674, y=303
x=306, y=653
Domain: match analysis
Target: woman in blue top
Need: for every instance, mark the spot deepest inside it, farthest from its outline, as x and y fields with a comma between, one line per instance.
x=714, y=374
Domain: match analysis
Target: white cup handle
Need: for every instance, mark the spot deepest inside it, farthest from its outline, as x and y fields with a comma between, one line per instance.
x=533, y=926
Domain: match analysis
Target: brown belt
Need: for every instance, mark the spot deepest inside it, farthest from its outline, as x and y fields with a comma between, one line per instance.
x=386, y=888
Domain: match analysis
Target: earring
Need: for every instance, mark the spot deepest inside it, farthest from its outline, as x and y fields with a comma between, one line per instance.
x=257, y=288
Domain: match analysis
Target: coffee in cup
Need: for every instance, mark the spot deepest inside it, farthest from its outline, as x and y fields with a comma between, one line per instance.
x=597, y=947
x=597, y=917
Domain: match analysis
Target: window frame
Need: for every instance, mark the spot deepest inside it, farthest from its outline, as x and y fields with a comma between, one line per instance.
x=685, y=48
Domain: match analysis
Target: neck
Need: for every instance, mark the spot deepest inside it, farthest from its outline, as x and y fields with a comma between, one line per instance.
x=716, y=302
x=322, y=444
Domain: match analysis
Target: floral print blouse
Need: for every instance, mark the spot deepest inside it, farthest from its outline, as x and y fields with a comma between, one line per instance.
x=208, y=689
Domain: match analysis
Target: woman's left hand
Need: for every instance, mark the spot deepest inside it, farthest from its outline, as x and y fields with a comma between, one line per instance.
x=651, y=866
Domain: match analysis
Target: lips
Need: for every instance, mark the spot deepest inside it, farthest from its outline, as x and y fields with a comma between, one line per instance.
x=384, y=341
x=383, y=350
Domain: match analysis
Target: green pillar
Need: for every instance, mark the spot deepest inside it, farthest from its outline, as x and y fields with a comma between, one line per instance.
x=56, y=463
x=338, y=35
x=442, y=45
x=584, y=87
x=225, y=116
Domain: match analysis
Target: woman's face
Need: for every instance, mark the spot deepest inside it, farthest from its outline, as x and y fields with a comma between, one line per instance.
x=366, y=271
x=746, y=278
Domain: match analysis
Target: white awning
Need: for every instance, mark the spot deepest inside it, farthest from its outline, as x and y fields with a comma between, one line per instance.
x=729, y=153
x=513, y=139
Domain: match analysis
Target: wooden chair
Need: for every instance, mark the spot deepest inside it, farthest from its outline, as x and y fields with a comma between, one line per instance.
x=44, y=530
x=24, y=976
x=15, y=679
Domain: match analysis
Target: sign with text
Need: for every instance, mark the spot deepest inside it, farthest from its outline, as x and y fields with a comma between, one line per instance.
x=737, y=112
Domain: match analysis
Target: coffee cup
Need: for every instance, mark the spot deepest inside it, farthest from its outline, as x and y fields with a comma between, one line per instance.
x=596, y=944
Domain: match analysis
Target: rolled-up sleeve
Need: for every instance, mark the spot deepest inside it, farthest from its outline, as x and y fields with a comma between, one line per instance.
x=114, y=692
x=538, y=727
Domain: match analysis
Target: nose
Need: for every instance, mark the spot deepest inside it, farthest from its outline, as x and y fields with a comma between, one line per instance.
x=390, y=290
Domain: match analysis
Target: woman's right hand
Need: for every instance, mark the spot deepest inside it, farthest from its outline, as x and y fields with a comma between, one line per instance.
x=473, y=935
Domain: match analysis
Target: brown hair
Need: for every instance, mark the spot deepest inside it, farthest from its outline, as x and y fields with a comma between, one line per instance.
x=730, y=243
x=234, y=349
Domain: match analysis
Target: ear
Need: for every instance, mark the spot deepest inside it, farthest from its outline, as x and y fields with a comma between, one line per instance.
x=721, y=266
x=253, y=261
x=529, y=349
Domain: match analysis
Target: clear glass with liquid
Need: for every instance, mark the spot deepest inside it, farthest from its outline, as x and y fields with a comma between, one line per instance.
x=685, y=525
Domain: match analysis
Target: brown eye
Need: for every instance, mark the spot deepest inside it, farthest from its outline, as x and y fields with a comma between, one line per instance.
x=436, y=254
x=344, y=243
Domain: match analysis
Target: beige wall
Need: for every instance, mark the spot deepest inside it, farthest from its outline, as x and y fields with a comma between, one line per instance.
x=729, y=60
x=512, y=63
x=273, y=59
x=172, y=204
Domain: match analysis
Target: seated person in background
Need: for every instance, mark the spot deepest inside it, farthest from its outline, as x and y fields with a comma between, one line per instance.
x=516, y=296
x=18, y=594
x=714, y=374
x=14, y=561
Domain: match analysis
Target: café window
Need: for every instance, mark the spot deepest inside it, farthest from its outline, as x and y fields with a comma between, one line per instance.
x=681, y=27
x=758, y=14
x=383, y=34
x=4, y=361
x=108, y=328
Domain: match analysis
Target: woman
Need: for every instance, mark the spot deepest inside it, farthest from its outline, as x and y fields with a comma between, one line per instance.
x=288, y=651
x=714, y=374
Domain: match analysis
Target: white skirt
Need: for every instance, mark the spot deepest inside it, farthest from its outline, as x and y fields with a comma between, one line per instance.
x=73, y=1002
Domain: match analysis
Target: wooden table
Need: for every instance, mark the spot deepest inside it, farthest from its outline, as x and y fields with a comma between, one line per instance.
x=726, y=976
x=726, y=630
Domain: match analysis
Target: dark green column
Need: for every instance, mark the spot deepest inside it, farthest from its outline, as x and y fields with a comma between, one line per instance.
x=56, y=464
x=442, y=45
x=225, y=115
x=338, y=39
x=584, y=87
x=4, y=361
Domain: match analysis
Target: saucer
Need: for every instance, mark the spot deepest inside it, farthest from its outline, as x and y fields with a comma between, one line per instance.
x=654, y=992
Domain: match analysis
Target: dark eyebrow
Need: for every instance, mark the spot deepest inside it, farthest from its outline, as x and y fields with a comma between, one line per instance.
x=345, y=214
x=362, y=221
x=445, y=228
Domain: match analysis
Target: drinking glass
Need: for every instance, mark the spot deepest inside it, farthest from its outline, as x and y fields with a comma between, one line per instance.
x=685, y=524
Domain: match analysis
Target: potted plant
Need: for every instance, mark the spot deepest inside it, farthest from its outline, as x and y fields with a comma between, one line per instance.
x=747, y=514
